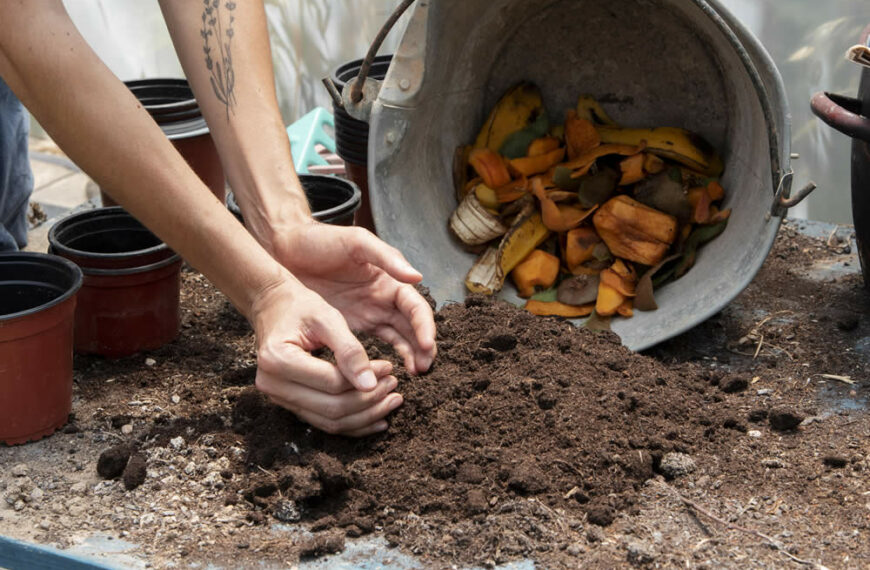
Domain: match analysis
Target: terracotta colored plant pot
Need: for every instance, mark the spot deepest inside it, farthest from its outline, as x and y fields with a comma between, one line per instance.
x=359, y=175
x=332, y=200
x=37, y=303
x=171, y=104
x=130, y=298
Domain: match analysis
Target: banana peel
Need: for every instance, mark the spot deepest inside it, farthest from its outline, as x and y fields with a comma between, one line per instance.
x=488, y=273
x=517, y=109
x=677, y=144
x=590, y=109
x=473, y=223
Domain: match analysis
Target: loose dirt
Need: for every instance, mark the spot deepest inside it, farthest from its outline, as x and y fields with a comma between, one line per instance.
x=742, y=442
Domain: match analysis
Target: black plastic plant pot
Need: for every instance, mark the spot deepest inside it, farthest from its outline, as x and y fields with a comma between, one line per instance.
x=37, y=304
x=332, y=200
x=106, y=238
x=351, y=135
x=130, y=298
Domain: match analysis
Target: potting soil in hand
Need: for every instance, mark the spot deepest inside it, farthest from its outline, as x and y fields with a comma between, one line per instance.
x=528, y=439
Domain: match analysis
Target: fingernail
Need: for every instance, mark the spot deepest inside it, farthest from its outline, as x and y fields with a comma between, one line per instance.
x=392, y=383
x=366, y=380
x=381, y=426
x=396, y=402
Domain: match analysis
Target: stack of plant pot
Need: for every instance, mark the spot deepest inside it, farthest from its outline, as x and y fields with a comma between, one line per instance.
x=352, y=136
x=171, y=103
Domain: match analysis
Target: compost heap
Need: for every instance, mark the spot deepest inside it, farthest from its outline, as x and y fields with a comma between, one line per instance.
x=604, y=212
x=526, y=433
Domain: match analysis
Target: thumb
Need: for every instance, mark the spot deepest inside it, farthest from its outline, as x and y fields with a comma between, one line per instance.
x=350, y=356
x=368, y=248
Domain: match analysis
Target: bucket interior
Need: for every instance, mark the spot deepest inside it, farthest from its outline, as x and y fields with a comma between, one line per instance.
x=649, y=62
x=31, y=282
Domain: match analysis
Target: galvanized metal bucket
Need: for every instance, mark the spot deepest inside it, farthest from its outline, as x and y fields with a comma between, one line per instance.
x=685, y=63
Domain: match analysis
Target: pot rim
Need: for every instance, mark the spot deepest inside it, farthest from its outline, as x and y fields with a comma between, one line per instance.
x=112, y=211
x=355, y=197
x=44, y=258
x=174, y=258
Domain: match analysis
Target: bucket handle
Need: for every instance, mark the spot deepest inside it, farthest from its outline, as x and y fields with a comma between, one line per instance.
x=783, y=200
x=359, y=94
x=842, y=113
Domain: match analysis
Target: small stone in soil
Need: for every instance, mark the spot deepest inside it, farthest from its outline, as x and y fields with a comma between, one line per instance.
x=113, y=461
x=733, y=384
x=639, y=554
x=150, y=362
x=675, y=465
x=835, y=461
x=772, y=463
x=20, y=470
x=127, y=429
x=134, y=473
x=286, y=511
x=784, y=419
x=330, y=542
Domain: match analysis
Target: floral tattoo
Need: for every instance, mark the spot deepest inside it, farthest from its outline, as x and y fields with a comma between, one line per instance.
x=223, y=78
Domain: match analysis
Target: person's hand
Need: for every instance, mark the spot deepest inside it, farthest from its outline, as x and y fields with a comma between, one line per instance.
x=370, y=282
x=351, y=397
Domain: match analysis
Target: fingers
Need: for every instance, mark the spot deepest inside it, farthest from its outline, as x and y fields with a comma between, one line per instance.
x=298, y=398
x=350, y=356
x=400, y=343
x=369, y=419
x=418, y=312
x=366, y=248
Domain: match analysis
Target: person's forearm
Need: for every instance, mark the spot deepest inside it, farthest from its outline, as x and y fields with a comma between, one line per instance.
x=103, y=128
x=224, y=48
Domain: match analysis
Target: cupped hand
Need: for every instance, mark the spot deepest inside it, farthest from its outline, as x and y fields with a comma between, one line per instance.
x=351, y=397
x=368, y=281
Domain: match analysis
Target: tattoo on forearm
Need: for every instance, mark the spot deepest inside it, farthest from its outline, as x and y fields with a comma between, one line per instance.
x=223, y=79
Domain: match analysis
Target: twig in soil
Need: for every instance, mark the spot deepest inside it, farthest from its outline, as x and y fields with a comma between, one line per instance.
x=567, y=466
x=843, y=379
x=758, y=534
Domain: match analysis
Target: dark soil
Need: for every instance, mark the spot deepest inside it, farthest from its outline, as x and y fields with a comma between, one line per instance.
x=529, y=438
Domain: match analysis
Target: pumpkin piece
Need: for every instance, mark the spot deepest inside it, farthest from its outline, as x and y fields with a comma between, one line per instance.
x=579, y=246
x=609, y=299
x=557, y=309
x=486, y=196
x=720, y=216
x=557, y=218
x=543, y=145
x=653, y=164
x=538, y=269
x=531, y=165
x=623, y=285
x=580, y=135
x=633, y=231
x=715, y=190
x=513, y=190
x=632, y=169
x=620, y=268
x=700, y=201
x=490, y=166
x=625, y=309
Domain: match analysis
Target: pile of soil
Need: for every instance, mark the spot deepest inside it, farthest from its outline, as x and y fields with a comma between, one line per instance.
x=529, y=438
